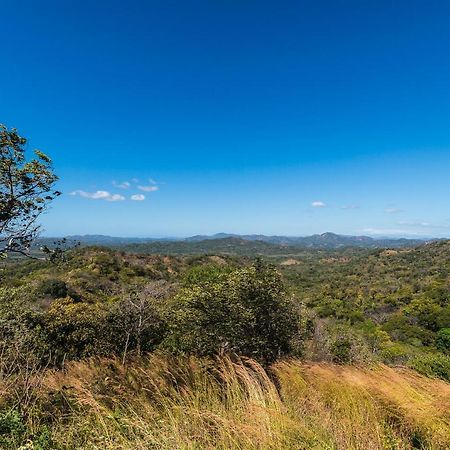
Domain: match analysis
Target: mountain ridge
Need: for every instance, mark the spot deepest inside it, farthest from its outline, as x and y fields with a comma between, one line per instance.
x=327, y=240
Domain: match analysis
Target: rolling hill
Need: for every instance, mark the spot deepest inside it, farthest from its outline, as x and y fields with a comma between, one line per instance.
x=224, y=243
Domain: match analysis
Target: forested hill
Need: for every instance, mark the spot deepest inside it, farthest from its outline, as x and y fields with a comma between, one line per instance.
x=324, y=240
x=249, y=245
x=227, y=246
x=391, y=304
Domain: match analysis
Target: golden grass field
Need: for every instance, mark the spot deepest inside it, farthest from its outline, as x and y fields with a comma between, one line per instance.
x=163, y=403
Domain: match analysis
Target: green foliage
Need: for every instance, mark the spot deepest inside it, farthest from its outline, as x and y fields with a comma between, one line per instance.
x=344, y=344
x=26, y=187
x=341, y=351
x=432, y=365
x=394, y=353
x=426, y=313
x=356, y=305
x=54, y=288
x=23, y=338
x=15, y=433
x=203, y=274
x=246, y=312
x=400, y=328
x=76, y=329
x=443, y=340
x=12, y=429
x=403, y=292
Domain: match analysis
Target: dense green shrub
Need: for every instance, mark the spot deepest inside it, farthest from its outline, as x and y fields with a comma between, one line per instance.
x=23, y=338
x=443, y=340
x=12, y=429
x=205, y=274
x=76, y=329
x=341, y=351
x=54, y=288
x=15, y=433
x=245, y=312
x=432, y=365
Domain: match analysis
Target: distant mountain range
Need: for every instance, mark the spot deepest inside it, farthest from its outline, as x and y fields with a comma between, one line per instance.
x=324, y=240
x=219, y=240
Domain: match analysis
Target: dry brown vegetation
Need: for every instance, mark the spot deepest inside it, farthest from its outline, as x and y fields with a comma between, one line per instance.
x=166, y=403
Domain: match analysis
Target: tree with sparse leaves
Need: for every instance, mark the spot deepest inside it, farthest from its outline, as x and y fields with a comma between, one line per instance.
x=26, y=188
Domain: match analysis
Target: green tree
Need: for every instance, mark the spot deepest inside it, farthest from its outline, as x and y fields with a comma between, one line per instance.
x=245, y=312
x=443, y=340
x=26, y=187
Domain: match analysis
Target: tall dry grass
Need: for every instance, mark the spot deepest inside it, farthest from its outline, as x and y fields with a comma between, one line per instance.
x=167, y=403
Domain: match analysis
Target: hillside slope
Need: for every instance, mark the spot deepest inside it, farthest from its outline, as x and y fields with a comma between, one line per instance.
x=170, y=404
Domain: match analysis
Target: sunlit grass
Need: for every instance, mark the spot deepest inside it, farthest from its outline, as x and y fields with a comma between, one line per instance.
x=167, y=403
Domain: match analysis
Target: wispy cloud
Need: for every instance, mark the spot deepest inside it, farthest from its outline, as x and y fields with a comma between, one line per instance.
x=110, y=197
x=115, y=198
x=94, y=195
x=432, y=228
x=393, y=210
x=393, y=232
x=415, y=224
x=350, y=207
x=99, y=195
x=412, y=229
x=152, y=188
x=123, y=185
x=318, y=204
x=152, y=185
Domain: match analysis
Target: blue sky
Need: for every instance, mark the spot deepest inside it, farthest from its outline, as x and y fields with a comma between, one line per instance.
x=286, y=117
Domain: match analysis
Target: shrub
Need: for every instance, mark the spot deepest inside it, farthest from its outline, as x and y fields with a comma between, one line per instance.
x=443, y=340
x=343, y=344
x=54, y=288
x=12, y=429
x=202, y=274
x=432, y=365
x=393, y=353
x=23, y=338
x=341, y=351
x=76, y=330
x=245, y=312
x=15, y=433
x=134, y=323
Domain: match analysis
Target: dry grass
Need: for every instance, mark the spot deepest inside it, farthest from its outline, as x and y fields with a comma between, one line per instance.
x=164, y=403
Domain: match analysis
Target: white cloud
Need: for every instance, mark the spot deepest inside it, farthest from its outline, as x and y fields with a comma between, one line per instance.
x=138, y=197
x=148, y=188
x=318, y=204
x=412, y=229
x=415, y=224
x=392, y=232
x=350, y=207
x=123, y=185
x=115, y=198
x=94, y=195
x=393, y=210
x=99, y=195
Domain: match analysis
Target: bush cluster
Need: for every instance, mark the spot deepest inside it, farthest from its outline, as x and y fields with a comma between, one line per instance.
x=242, y=311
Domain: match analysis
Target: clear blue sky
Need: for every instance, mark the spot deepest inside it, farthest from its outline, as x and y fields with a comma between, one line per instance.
x=275, y=117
